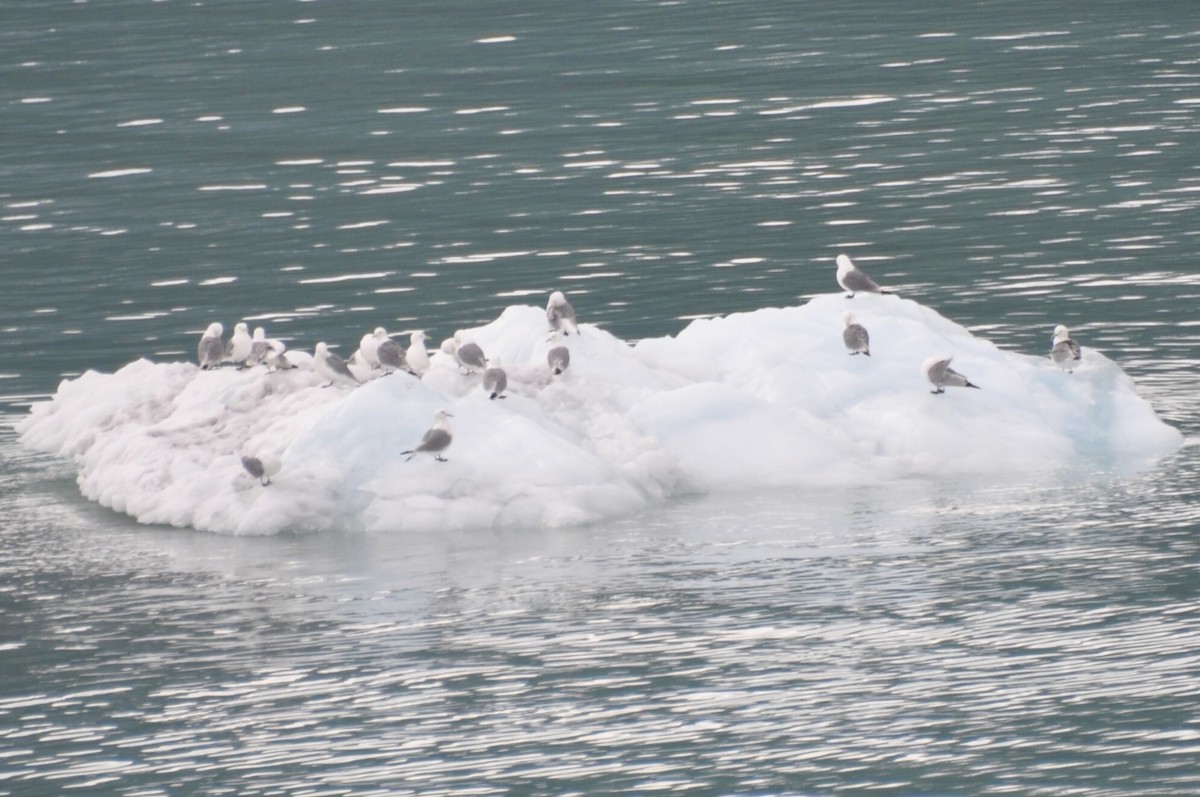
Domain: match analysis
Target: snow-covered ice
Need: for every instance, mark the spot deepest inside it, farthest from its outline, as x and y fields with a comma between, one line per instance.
x=747, y=401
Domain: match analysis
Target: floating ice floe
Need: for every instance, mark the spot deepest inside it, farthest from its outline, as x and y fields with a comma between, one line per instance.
x=762, y=399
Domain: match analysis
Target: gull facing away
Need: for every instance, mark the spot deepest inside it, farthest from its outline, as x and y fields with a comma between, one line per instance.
x=1065, y=352
x=559, y=356
x=855, y=337
x=436, y=440
x=259, y=347
x=941, y=375
x=853, y=280
x=239, y=346
x=332, y=367
x=388, y=353
x=495, y=382
x=467, y=353
x=211, y=351
x=561, y=314
x=261, y=468
x=416, y=356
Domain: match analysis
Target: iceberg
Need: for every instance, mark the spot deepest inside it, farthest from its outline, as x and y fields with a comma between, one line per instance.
x=769, y=399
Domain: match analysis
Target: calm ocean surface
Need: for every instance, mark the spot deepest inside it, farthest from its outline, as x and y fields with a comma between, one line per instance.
x=324, y=168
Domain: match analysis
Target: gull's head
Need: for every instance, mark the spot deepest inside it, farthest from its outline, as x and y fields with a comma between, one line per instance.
x=461, y=336
x=844, y=264
x=449, y=346
x=240, y=328
x=441, y=415
x=417, y=337
x=321, y=349
x=555, y=338
x=215, y=330
x=848, y=318
x=260, y=334
x=380, y=333
x=1061, y=332
x=557, y=298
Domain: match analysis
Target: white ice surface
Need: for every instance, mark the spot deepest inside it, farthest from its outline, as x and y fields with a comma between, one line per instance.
x=762, y=399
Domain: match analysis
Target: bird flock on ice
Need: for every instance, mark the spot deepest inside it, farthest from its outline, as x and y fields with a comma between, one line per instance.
x=377, y=350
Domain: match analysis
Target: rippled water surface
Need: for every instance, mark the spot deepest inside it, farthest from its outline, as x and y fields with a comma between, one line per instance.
x=326, y=168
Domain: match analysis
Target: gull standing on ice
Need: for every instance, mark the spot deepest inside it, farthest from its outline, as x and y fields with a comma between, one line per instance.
x=259, y=347
x=211, y=351
x=369, y=345
x=495, y=382
x=416, y=356
x=436, y=440
x=389, y=353
x=941, y=375
x=561, y=314
x=559, y=356
x=332, y=367
x=276, y=358
x=853, y=280
x=1065, y=352
x=467, y=353
x=855, y=336
x=240, y=344
x=261, y=468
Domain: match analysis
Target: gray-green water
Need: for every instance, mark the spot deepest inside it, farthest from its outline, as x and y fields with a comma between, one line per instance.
x=326, y=168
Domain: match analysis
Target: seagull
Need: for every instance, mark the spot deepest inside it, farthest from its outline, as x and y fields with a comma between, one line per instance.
x=261, y=468
x=561, y=314
x=941, y=375
x=276, y=358
x=559, y=356
x=211, y=351
x=259, y=347
x=416, y=356
x=467, y=353
x=855, y=336
x=853, y=280
x=1065, y=353
x=436, y=440
x=495, y=382
x=237, y=350
x=332, y=367
x=369, y=345
x=389, y=353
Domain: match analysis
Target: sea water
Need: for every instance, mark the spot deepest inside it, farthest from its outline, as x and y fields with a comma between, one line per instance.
x=324, y=169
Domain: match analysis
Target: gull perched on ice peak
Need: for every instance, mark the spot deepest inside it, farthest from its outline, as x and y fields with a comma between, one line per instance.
x=561, y=314
x=467, y=353
x=416, y=356
x=436, y=440
x=939, y=373
x=559, y=356
x=237, y=350
x=1065, y=352
x=211, y=350
x=332, y=367
x=855, y=336
x=853, y=280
